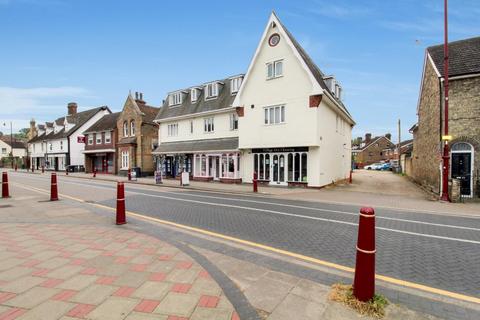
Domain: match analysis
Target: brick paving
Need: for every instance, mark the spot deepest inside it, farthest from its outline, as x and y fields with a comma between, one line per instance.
x=95, y=272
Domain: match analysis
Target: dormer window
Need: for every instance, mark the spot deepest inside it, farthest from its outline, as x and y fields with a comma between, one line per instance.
x=211, y=90
x=194, y=95
x=235, y=84
x=175, y=99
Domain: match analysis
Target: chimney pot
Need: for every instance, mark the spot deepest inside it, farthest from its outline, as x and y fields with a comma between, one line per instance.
x=72, y=108
x=141, y=96
x=368, y=137
x=388, y=136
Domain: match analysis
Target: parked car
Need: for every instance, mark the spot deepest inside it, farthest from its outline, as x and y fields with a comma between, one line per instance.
x=373, y=166
x=384, y=167
x=75, y=168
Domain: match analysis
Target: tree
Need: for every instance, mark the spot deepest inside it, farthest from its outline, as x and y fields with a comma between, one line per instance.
x=22, y=134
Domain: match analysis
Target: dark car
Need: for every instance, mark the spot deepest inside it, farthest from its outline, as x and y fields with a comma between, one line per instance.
x=75, y=168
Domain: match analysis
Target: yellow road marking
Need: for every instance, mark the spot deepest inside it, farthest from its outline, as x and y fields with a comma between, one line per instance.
x=387, y=279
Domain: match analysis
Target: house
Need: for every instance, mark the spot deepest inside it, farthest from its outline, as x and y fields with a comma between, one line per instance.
x=198, y=132
x=100, y=148
x=372, y=150
x=60, y=143
x=11, y=147
x=393, y=156
x=137, y=136
x=463, y=120
x=293, y=127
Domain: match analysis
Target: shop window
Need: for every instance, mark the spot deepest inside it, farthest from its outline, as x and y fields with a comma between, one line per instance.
x=304, y=167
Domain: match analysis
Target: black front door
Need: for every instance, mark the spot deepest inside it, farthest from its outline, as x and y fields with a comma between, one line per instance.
x=461, y=170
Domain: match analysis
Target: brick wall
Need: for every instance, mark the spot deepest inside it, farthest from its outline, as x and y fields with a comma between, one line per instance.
x=426, y=146
x=375, y=152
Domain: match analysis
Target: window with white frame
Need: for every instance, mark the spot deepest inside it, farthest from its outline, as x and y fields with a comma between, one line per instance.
x=208, y=125
x=175, y=98
x=98, y=138
x=274, y=115
x=125, y=160
x=90, y=139
x=233, y=121
x=4, y=150
x=194, y=95
x=125, y=129
x=235, y=84
x=108, y=137
x=172, y=130
x=132, y=128
x=275, y=69
x=211, y=90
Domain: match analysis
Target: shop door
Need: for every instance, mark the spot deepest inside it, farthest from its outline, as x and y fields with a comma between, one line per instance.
x=278, y=169
x=462, y=170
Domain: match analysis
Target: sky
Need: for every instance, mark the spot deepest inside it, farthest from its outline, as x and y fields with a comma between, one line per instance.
x=94, y=52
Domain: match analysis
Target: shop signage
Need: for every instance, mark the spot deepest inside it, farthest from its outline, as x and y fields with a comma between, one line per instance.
x=280, y=150
x=81, y=139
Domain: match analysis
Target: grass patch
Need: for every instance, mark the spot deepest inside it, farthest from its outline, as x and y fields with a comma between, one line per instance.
x=344, y=294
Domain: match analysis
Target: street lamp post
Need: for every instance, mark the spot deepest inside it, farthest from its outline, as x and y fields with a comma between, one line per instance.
x=446, y=151
x=11, y=141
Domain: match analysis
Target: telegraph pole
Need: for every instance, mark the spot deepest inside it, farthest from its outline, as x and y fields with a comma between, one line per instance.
x=445, y=138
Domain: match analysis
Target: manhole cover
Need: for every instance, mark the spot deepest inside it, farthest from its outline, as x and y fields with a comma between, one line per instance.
x=5, y=206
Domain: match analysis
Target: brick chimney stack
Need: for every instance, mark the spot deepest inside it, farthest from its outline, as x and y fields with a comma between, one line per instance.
x=32, y=133
x=368, y=138
x=388, y=136
x=139, y=98
x=72, y=108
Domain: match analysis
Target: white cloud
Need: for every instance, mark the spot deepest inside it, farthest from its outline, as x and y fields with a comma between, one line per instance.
x=41, y=102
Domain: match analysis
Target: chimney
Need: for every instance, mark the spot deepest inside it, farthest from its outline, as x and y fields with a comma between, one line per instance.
x=368, y=138
x=72, y=108
x=33, y=130
x=139, y=98
x=388, y=136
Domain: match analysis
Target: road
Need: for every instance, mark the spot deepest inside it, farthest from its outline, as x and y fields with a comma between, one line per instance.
x=438, y=251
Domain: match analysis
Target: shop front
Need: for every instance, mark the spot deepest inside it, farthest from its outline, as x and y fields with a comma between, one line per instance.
x=56, y=162
x=220, y=163
x=281, y=166
x=101, y=162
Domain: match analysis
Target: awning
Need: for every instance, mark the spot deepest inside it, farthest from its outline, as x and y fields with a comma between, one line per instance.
x=196, y=146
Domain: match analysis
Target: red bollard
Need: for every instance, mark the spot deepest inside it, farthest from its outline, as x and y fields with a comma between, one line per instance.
x=364, y=281
x=5, y=192
x=33, y=169
x=16, y=167
x=120, y=204
x=129, y=174
x=53, y=188
x=350, y=178
x=255, y=182
x=94, y=173
x=43, y=169
x=66, y=172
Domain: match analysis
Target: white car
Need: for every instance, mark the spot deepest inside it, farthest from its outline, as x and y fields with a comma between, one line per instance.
x=373, y=166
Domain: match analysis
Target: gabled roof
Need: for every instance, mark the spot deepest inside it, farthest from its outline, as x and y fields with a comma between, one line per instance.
x=374, y=140
x=15, y=144
x=222, y=101
x=464, y=57
x=148, y=112
x=107, y=122
x=315, y=74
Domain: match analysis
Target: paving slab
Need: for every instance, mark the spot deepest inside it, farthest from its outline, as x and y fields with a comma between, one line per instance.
x=178, y=304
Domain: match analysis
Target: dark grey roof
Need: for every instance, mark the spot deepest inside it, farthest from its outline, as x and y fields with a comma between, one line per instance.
x=317, y=73
x=223, y=144
x=464, y=57
x=78, y=119
x=107, y=122
x=224, y=100
x=16, y=144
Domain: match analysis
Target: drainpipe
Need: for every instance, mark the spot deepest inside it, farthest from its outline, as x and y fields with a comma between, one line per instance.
x=446, y=151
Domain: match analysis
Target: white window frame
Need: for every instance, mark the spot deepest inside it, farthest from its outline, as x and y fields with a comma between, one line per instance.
x=132, y=128
x=125, y=128
x=175, y=99
x=194, y=95
x=209, y=125
x=272, y=117
x=98, y=138
x=235, y=84
x=275, y=69
x=211, y=90
x=108, y=137
x=233, y=121
x=125, y=159
x=89, y=140
x=172, y=130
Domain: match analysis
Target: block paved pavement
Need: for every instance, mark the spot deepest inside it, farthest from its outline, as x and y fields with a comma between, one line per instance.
x=71, y=270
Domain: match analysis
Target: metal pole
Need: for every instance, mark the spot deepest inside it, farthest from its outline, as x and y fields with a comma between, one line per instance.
x=446, y=152
x=11, y=143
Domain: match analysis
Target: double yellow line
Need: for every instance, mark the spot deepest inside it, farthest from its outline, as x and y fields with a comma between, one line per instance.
x=332, y=265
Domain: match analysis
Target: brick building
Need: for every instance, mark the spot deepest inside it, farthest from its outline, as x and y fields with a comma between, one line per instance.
x=137, y=136
x=371, y=150
x=100, y=145
x=464, y=117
